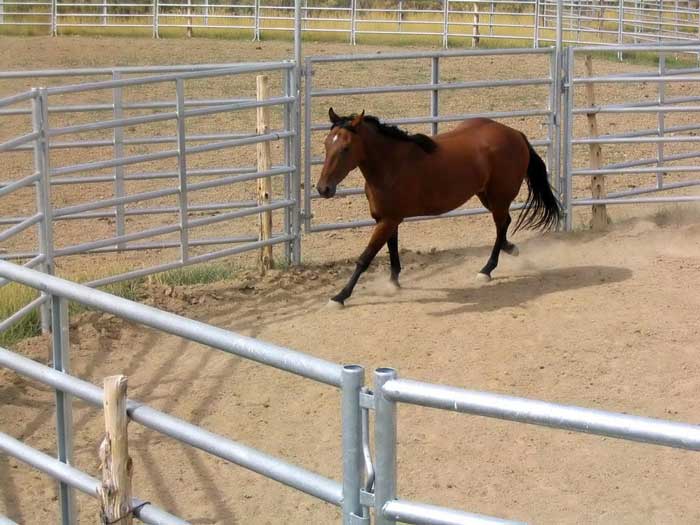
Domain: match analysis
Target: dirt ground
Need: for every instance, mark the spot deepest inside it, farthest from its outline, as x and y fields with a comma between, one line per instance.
x=605, y=321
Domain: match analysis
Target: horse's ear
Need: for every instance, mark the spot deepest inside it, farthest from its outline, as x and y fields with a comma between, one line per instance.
x=333, y=116
x=358, y=119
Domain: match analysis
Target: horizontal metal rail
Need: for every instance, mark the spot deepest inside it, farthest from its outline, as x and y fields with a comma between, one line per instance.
x=18, y=141
x=565, y=417
x=172, y=228
x=429, y=54
x=637, y=200
x=246, y=347
x=250, y=458
x=628, y=171
x=20, y=227
x=14, y=99
x=155, y=79
x=144, y=511
x=457, y=118
x=638, y=79
x=411, y=88
x=422, y=514
x=15, y=185
x=19, y=314
x=636, y=140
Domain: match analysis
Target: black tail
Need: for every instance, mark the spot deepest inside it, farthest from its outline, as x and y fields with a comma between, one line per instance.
x=542, y=209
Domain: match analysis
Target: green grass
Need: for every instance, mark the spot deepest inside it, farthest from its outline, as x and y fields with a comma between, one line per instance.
x=14, y=296
x=203, y=274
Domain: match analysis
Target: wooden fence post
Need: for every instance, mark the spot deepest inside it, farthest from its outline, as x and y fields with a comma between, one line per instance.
x=599, y=220
x=115, y=491
x=264, y=162
x=475, y=27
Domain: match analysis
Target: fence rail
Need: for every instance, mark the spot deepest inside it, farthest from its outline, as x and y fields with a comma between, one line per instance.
x=358, y=492
x=531, y=21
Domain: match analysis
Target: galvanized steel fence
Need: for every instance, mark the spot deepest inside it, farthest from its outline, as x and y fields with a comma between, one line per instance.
x=45, y=142
x=541, y=114
x=556, y=109
x=531, y=22
x=368, y=483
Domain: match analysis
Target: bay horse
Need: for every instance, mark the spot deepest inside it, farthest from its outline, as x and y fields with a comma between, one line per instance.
x=409, y=175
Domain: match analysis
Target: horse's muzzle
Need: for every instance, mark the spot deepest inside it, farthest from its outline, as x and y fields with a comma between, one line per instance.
x=325, y=191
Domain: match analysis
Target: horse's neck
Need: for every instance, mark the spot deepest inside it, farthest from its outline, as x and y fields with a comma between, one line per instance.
x=383, y=159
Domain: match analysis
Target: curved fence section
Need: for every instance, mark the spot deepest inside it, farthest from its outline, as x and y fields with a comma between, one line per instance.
x=369, y=482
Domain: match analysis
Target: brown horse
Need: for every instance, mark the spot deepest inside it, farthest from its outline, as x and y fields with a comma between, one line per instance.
x=412, y=175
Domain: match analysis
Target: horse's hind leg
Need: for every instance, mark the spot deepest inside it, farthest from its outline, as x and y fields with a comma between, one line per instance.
x=393, y=245
x=501, y=218
x=508, y=247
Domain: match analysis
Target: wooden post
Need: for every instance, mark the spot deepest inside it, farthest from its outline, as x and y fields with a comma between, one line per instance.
x=115, y=491
x=599, y=220
x=475, y=27
x=264, y=162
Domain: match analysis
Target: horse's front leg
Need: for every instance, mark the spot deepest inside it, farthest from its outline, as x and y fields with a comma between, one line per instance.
x=383, y=231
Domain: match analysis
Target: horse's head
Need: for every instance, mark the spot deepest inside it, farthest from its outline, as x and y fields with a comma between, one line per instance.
x=343, y=152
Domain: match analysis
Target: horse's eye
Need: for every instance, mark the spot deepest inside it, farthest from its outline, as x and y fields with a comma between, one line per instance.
x=345, y=149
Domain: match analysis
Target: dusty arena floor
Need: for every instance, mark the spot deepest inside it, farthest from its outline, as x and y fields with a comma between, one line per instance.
x=605, y=321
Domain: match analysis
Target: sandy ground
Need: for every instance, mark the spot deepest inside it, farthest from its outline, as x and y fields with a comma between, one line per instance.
x=606, y=321
x=601, y=320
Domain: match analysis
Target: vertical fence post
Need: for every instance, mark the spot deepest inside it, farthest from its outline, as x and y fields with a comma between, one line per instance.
x=661, y=122
x=40, y=116
x=559, y=36
x=599, y=219
x=296, y=92
x=435, y=93
x=2, y=11
x=352, y=382
x=256, y=20
x=104, y=12
x=264, y=183
x=115, y=490
x=189, y=18
x=353, y=22
x=288, y=86
x=308, y=152
x=475, y=25
x=182, y=169
x=554, y=120
x=156, y=8
x=536, y=26
x=620, y=25
x=60, y=347
x=567, y=161
x=400, y=14
x=206, y=12
x=118, y=136
x=385, y=446
x=445, y=23
x=54, y=16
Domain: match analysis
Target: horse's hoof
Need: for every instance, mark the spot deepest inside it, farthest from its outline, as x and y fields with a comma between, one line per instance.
x=334, y=305
x=514, y=251
x=483, y=277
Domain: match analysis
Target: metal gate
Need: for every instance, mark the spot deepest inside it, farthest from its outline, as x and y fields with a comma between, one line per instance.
x=659, y=104
x=539, y=114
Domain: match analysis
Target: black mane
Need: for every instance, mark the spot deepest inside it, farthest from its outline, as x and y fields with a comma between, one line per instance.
x=422, y=141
